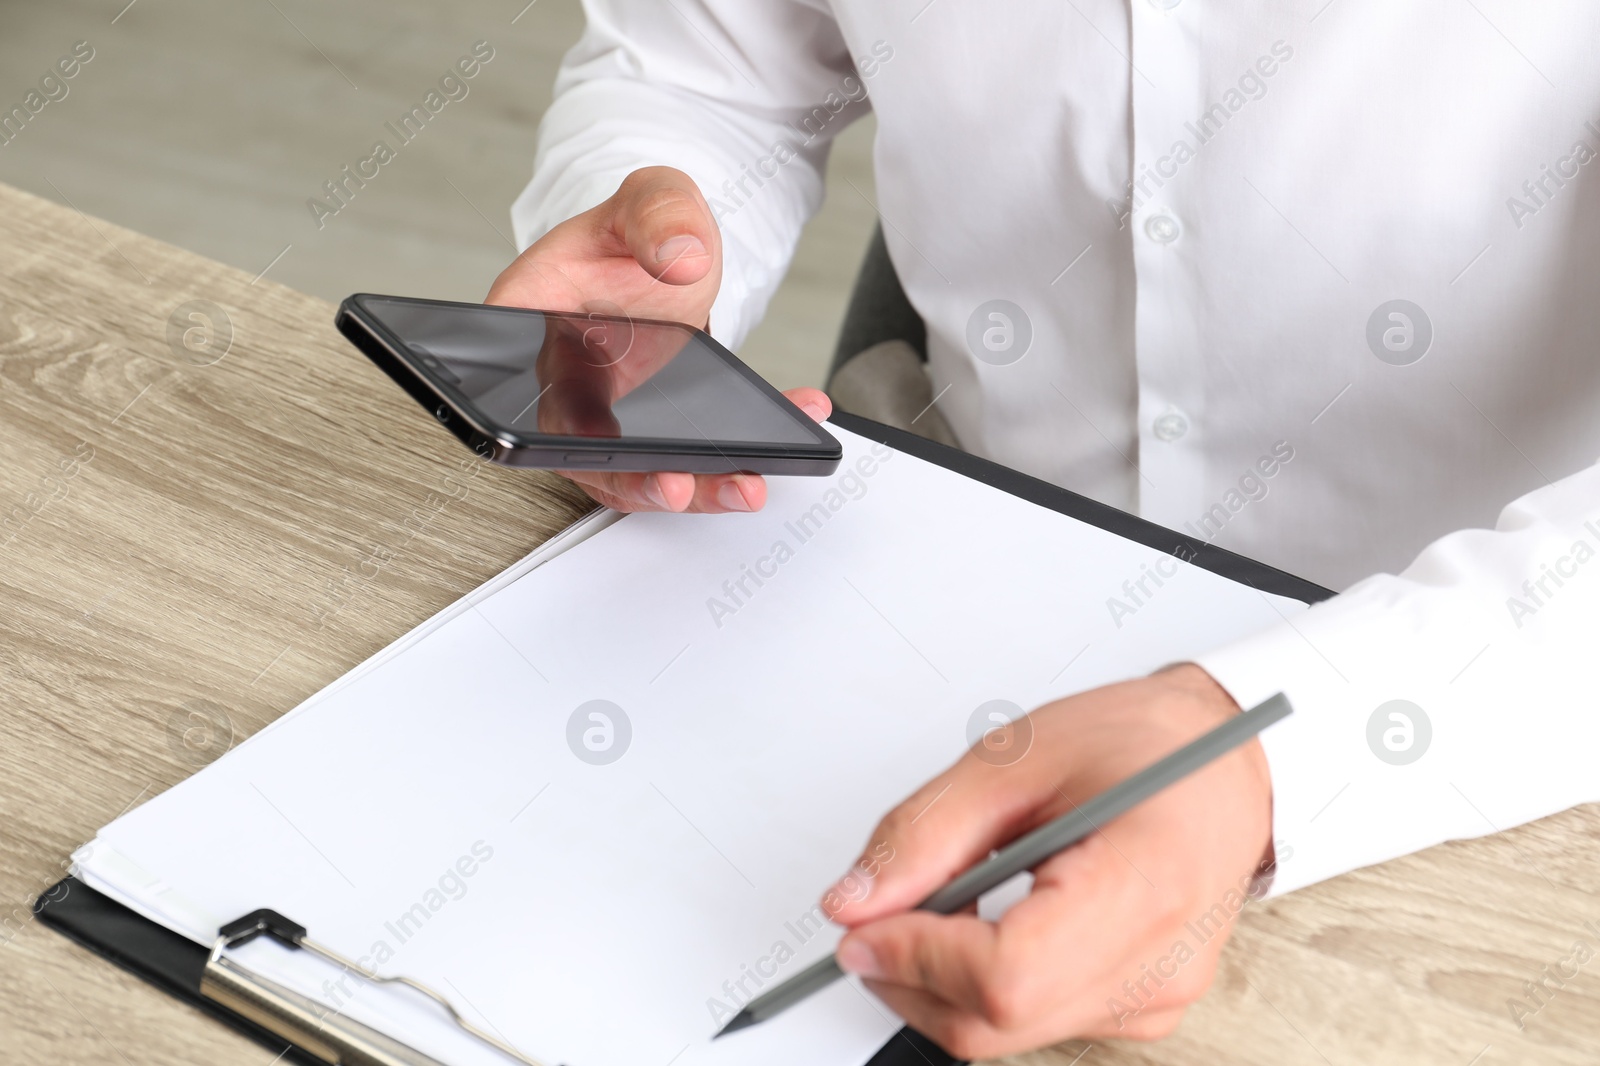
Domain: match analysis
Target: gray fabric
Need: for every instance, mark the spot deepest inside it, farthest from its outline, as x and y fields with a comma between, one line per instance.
x=879, y=310
x=878, y=367
x=888, y=383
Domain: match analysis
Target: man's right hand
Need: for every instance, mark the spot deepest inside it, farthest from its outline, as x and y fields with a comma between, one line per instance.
x=651, y=251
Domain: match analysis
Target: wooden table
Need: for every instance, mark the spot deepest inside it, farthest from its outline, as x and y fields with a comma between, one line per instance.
x=198, y=530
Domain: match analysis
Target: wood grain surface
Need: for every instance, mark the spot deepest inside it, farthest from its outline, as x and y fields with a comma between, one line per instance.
x=207, y=528
x=210, y=125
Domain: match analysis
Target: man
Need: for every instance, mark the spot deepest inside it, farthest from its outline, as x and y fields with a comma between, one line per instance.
x=1161, y=247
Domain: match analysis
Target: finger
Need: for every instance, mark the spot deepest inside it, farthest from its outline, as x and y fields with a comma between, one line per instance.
x=968, y=1036
x=660, y=491
x=666, y=224
x=1086, y=905
x=939, y=956
x=673, y=491
x=723, y=493
x=813, y=402
x=945, y=826
x=960, y=1032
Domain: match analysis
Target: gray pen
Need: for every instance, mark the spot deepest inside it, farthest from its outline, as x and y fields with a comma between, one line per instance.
x=1030, y=850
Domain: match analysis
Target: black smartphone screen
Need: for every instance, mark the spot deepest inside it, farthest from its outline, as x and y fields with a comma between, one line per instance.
x=583, y=375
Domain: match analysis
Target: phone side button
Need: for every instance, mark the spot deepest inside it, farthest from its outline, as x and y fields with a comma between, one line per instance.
x=585, y=459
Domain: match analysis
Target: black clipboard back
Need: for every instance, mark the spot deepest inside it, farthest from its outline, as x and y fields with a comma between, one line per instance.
x=1199, y=552
x=149, y=951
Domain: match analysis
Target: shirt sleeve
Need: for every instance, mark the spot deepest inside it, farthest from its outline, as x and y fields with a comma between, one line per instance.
x=743, y=97
x=1452, y=700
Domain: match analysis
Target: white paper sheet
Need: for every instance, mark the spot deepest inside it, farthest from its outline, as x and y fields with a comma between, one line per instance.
x=611, y=911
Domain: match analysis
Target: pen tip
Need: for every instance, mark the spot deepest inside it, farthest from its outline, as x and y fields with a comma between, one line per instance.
x=742, y=1020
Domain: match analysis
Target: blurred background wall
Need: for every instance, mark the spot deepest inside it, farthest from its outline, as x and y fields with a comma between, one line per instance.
x=209, y=123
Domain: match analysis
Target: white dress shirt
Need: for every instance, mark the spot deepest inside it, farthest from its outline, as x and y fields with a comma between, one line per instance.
x=1353, y=243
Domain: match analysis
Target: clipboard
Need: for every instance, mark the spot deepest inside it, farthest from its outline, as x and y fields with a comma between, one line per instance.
x=179, y=966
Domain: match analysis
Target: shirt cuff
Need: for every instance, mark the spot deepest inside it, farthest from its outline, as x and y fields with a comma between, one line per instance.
x=1348, y=793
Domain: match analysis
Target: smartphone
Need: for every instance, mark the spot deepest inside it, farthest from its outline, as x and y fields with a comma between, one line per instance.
x=580, y=391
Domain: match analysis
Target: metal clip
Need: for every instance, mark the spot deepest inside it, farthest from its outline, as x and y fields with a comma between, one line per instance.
x=303, y=1021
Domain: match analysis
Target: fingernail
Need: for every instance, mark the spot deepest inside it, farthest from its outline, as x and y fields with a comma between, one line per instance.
x=855, y=957
x=813, y=410
x=683, y=246
x=653, y=493
x=731, y=498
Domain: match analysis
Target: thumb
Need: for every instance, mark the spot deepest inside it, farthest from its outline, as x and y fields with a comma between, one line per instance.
x=667, y=225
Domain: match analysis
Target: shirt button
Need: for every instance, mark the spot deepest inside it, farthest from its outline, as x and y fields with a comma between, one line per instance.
x=1163, y=229
x=1171, y=426
x=1165, y=5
